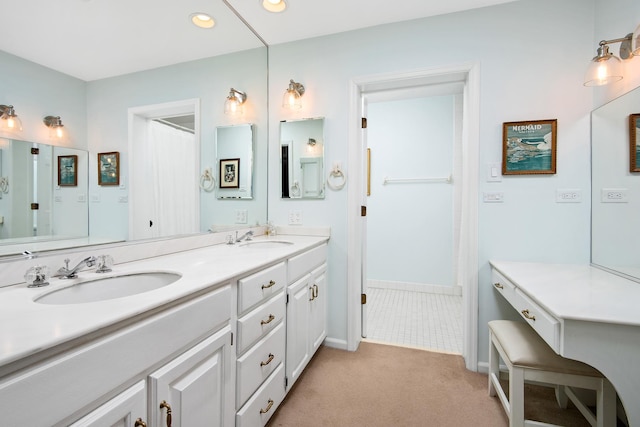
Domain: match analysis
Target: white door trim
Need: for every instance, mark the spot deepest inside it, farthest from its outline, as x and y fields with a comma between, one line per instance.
x=469, y=73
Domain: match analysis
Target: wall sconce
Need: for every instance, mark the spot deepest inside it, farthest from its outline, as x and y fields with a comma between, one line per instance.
x=605, y=67
x=233, y=104
x=292, y=95
x=56, y=128
x=9, y=120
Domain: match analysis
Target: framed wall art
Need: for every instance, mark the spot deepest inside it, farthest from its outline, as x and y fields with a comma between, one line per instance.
x=634, y=142
x=109, y=168
x=68, y=171
x=229, y=173
x=529, y=147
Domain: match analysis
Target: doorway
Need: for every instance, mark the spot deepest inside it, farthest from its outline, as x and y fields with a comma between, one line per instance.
x=467, y=185
x=413, y=218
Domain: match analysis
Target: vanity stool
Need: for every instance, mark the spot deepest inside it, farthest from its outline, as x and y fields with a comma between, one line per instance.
x=529, y=358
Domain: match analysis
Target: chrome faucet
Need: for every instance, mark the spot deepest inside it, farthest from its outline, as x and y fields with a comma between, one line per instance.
x=245, y=236
x=67, y=273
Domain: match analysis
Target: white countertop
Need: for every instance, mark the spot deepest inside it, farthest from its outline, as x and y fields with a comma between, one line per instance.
x=28, y=327
x=576, y=292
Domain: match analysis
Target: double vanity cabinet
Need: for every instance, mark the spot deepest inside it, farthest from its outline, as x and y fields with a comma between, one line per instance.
x=221, y=346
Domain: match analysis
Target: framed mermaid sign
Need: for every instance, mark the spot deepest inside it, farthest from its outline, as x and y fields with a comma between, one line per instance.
x=634, y=142
x=529, y=147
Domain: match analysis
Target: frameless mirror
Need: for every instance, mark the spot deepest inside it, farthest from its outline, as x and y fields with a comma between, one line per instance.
x=615, y=190
x=43, y=195
x=234, y=159
x=302, y=158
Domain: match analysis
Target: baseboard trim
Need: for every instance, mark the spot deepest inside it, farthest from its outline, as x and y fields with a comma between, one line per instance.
x=335, y=343
x=415, y=287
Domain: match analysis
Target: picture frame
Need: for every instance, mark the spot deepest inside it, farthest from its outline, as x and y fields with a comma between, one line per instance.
x=229, y=173
x=68, y=171
x=529, y=147
x=109, y=168
x=634, y=142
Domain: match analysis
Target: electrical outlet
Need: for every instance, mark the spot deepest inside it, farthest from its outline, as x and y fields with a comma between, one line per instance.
x=241, y=216
x=295, y=217
x=568, y=196
x=82, y=198
x=123, y=199
x=614, y=195
x=493, y=197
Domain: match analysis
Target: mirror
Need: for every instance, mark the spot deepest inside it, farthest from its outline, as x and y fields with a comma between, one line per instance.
x=43, y=195
x=615, y=190
x=234, y=154
x=302, y=158
x=95, y=113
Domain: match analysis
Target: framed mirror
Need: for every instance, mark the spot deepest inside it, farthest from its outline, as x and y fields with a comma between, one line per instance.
x=302, y=159
x=234, y=155
x=615, y=187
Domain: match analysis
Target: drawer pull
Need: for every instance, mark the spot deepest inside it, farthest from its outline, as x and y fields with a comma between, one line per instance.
x=165, y=405
x=140, y=423
x=313, y=294
x=268, y=361
x=269, y=320
x=269, y=405
x=271, y=283
x=315, y=291
x=498, y=285
x=526, y=314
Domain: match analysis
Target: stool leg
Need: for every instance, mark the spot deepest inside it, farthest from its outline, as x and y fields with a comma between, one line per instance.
x=494, y=365
x=606, y=405
x=516, y=397
x=561, y=396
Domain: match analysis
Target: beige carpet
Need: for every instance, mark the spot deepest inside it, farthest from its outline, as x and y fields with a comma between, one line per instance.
x=381, y=385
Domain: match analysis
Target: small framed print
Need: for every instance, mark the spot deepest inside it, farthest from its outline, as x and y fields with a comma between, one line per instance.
x=634, y=142
x=529, y=147
x=229, y=173
x=109, y=168
x=68, y=171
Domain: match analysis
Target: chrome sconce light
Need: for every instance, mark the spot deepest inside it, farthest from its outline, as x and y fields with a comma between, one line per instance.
x=233, y=104
x=9, y=120
x=56, y=128
x=292, y=95
x=605, y=67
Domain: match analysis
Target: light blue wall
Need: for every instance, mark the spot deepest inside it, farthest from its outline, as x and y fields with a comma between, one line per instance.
x=410, y=225
x=532, y=57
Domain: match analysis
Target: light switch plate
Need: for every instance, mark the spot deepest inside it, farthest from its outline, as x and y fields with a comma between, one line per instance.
x=494, y=172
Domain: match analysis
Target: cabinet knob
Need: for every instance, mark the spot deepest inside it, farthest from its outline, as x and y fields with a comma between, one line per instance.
x=268, y=360
x=165, y=405
x=271, y=283
x=140, y=423
x=269, y=405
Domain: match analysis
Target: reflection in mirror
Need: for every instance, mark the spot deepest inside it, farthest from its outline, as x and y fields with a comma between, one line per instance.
x=43, y=194
x=302, y=158
x=234, y=160
x=615, y=190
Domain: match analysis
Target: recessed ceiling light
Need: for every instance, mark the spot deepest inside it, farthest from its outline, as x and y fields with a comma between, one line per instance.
x=202, y=20
x=274, y=5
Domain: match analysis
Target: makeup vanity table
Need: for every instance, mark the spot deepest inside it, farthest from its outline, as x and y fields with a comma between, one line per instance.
x=583, y=313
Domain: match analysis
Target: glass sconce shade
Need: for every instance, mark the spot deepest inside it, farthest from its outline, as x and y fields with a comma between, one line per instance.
x=9, y=120
x=635, y=42
x=605, y=68
x=56, y=128
x=234, y=102
x=292, y=96
x=274, y=5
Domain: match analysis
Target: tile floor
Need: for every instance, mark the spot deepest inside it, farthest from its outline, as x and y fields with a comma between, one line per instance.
x=415, y=319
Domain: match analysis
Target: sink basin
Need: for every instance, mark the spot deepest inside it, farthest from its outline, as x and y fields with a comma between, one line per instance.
x=108, y=288
x=267, y=244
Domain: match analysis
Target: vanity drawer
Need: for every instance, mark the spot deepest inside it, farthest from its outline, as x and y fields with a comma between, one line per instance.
x=547, y=326
x=261, y=285
x=260, y=321
x=258, y=363
x=300, y=265
x=503, y=286
x=259, y=409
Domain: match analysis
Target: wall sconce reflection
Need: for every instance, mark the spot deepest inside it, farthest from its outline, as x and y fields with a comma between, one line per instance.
x=9, y=120
x=292, y=95
x=56, y=128
x=234, y=102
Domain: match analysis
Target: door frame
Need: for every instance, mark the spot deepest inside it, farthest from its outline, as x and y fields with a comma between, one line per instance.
x=356, y=197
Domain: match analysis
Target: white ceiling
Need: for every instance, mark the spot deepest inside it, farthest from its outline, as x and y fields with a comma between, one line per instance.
x=94, y=39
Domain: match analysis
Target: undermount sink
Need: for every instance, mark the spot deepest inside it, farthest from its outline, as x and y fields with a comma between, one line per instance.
x=267, y=244
x=108, y=288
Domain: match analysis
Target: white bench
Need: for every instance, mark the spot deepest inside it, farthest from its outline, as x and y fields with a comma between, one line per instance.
x=530, y=359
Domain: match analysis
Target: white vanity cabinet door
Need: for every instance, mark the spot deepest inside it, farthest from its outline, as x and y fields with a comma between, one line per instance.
x=197, y=385
x=318, y=308
x=121, y=411
x=298, y=338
